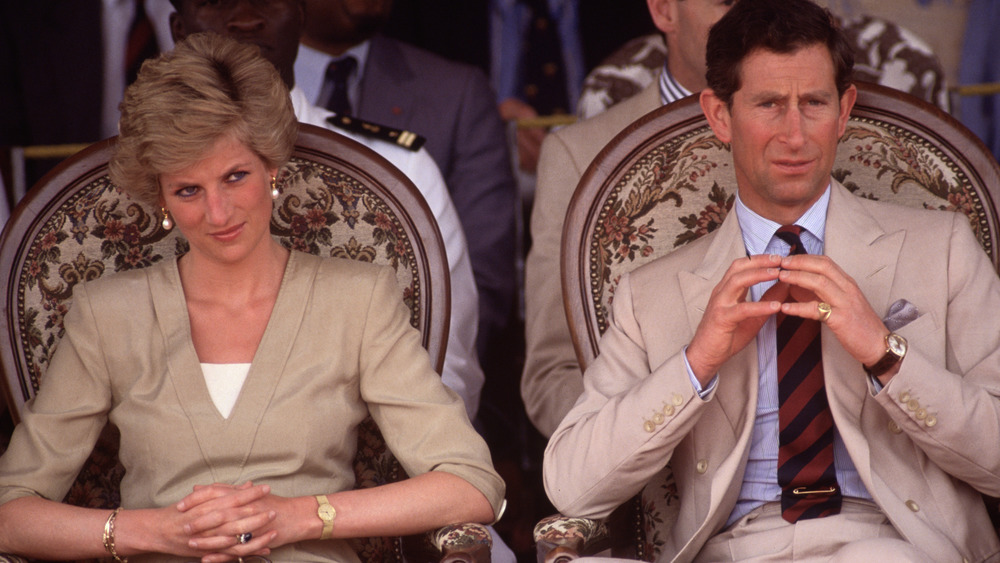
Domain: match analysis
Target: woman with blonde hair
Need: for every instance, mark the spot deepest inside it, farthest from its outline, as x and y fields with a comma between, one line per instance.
x=238, y=373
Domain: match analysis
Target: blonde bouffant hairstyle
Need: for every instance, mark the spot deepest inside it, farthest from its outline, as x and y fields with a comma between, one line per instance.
x=185, y=100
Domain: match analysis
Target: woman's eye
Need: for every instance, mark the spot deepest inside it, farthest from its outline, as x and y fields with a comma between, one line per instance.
x=237, y=176
x=187, y=191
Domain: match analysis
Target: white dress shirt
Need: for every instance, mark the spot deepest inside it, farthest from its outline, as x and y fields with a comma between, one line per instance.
x=462, y=371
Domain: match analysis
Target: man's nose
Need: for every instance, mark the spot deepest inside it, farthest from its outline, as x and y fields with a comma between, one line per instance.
x=791, y=126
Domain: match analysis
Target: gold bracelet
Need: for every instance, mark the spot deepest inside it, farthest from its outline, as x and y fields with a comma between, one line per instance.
x=109, y=536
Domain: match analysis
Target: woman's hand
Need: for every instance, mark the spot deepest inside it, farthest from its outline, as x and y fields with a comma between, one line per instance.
x=213, y=516
x=226, y=511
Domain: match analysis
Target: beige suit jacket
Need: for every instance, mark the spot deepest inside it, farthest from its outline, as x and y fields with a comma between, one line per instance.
x=552, y=379
x=338, y=346
x=925, y=447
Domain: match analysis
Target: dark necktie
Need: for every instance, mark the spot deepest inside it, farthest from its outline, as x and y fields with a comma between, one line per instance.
x=806, y=472
x=141, y=43
x=337, y=74
x=543, y=73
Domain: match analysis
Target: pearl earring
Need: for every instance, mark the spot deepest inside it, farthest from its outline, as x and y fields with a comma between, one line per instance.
x=275, y=192
x=167, y=221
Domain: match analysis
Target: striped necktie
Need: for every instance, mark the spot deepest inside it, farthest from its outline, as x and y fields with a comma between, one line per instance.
x=805, y=442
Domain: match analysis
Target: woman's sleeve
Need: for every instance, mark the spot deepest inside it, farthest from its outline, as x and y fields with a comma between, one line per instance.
x=60, y=426
x=424, y=423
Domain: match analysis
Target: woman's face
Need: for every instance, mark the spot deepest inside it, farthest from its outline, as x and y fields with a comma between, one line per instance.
x=222, y=203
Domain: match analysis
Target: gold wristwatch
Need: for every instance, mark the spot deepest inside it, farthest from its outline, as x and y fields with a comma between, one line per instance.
x=895, y=349
x=326, y=513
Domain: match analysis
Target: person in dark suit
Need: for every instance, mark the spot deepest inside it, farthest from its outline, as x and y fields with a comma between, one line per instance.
x=448, y=103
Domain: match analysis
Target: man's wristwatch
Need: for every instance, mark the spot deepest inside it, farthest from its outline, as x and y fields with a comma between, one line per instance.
x=326, y=513
x=895, y=349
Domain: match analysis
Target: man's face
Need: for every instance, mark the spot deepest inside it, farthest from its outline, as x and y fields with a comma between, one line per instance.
x=272, y=25
x=784, y=125
x=685, y=24
x=346, y=22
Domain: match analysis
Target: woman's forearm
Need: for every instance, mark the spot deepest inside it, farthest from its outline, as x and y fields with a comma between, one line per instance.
x=415, y=505
x=39, y=528
x=35, y=527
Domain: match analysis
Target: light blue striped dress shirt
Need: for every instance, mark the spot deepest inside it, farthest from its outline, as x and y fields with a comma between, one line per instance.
x=760, y=481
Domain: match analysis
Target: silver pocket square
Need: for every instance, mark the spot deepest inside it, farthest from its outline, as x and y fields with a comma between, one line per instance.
x=901, y=313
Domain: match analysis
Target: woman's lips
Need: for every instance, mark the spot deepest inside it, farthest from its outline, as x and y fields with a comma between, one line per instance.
x=229, y=234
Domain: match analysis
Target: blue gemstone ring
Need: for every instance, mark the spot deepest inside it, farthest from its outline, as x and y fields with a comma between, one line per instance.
x=244, y=538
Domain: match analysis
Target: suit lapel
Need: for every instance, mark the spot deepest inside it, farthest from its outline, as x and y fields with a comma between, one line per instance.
x=387, y=74
x=733, y=390
x=867, y=253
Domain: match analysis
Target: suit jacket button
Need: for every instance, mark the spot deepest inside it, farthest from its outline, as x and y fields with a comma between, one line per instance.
x=921, y=414
x=668, y=410
x=678, y=400
x=904, y=397
x=913, y=405
x=931, y=420
x=658, y=418
x=648, y=426
x=894, y=428
x=702, y=466
x=912, y=505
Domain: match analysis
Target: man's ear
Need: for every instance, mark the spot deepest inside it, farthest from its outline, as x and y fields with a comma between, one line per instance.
x=846, y=105
x=177, y=31
x=664, y=14
x=718, y=115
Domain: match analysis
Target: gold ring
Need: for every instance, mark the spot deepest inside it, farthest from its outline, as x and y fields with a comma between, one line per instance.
x=825, y=310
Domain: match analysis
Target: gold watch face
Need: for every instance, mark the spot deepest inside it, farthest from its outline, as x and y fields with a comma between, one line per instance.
x=897, y=344
x=327, y=512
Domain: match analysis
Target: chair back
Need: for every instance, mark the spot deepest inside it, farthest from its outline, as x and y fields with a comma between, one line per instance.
x=667, y=180
x=884, y=53
x=338, y=199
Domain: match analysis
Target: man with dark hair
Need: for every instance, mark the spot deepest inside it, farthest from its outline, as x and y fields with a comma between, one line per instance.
x=817, y=400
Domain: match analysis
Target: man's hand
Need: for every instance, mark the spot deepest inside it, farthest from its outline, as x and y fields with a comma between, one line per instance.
x=731, y=321
x=529, y=140
x=816, y=278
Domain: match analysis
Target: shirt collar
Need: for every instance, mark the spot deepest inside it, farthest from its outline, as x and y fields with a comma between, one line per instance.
x=670, y=89
x=758, y=231
x=310, y=69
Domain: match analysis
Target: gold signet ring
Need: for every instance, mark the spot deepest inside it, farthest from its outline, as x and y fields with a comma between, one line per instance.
x=825, y=310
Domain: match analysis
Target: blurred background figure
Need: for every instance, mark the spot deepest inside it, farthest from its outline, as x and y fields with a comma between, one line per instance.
x=347, y=66
x=65, y=66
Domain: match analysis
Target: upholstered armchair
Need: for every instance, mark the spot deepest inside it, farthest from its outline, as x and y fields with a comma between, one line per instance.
x=338, y=199
x=667, y=180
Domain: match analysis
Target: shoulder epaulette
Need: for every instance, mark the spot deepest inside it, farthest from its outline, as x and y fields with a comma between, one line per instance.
x=406, y=139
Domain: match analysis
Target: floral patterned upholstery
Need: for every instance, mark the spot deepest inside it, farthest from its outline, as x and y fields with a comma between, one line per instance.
x=338, y=199
x=884, y=53
x=672, y=181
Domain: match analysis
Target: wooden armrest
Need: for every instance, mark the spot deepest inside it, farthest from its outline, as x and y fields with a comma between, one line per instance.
x=559, y=538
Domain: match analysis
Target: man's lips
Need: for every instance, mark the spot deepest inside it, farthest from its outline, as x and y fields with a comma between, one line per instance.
x=794, y=166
